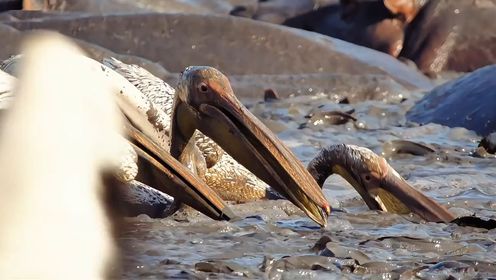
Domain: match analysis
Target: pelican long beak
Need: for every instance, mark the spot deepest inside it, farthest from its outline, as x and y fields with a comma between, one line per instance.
x=205, y=101
x=394, y=194
x=170, y=176
x=380, y=186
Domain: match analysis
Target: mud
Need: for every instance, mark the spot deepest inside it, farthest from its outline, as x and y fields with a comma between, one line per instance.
x=275, y=240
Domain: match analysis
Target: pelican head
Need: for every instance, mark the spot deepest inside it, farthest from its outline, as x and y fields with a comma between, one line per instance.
x=206, y=101
x=380, y=186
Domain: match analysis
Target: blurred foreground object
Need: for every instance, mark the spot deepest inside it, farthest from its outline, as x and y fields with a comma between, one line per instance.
x=55, y=143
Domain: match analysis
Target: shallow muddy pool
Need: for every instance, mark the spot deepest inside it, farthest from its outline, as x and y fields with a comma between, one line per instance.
x=275, y=240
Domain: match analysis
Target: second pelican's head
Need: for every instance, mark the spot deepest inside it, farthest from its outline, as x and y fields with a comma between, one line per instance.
x=206, y=101
x=380, y=186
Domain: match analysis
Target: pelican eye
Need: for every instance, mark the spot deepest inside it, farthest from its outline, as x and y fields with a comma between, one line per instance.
x=203, y=88
x=367, y=178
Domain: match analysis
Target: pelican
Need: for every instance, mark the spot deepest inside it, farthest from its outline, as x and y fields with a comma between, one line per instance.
x=252, y=146
x=379, y=185
x=233, y=127
x=206, y=102
x=263, y=153
x=217, y=168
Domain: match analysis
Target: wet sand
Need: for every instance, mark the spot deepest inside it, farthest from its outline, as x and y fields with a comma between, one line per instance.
x=190, y=245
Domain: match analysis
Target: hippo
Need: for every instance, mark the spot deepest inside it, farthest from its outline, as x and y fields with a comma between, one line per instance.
x=468, y=101
x=438, y=35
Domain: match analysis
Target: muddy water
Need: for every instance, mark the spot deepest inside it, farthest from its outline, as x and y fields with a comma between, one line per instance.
x=364, y=243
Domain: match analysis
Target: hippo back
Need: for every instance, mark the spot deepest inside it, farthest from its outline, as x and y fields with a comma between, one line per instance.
x=468, y=101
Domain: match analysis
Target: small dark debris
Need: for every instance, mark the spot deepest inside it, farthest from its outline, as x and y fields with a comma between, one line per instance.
x=321, y=244
x=168, y=262
x=489, y=143
x=222, y=267
x=242, y=11
x=300, y=262
x=374, y=268
x=335, y=250
x=473, y=221
x=412, y=148
x=328, y=118
x=270, y=95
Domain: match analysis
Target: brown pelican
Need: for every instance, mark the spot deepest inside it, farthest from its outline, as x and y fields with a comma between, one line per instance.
x=206, y=102
x=380, y=186
x=217, y=168
x=248, y=140
x=238, y=132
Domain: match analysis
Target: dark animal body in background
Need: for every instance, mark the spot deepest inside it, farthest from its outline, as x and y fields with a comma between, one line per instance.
x=468, y=101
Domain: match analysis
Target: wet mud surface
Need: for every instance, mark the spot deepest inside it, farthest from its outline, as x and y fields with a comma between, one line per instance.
x=274, y=240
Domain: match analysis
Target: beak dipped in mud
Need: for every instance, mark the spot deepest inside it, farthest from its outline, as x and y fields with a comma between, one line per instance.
x=392, y=186
x=380, y=186
x=168, y=175
x=205, y=101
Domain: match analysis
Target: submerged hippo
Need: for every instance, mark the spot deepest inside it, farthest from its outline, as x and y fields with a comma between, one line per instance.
x=468, y=101
x=367, y=23
x=452, y=35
